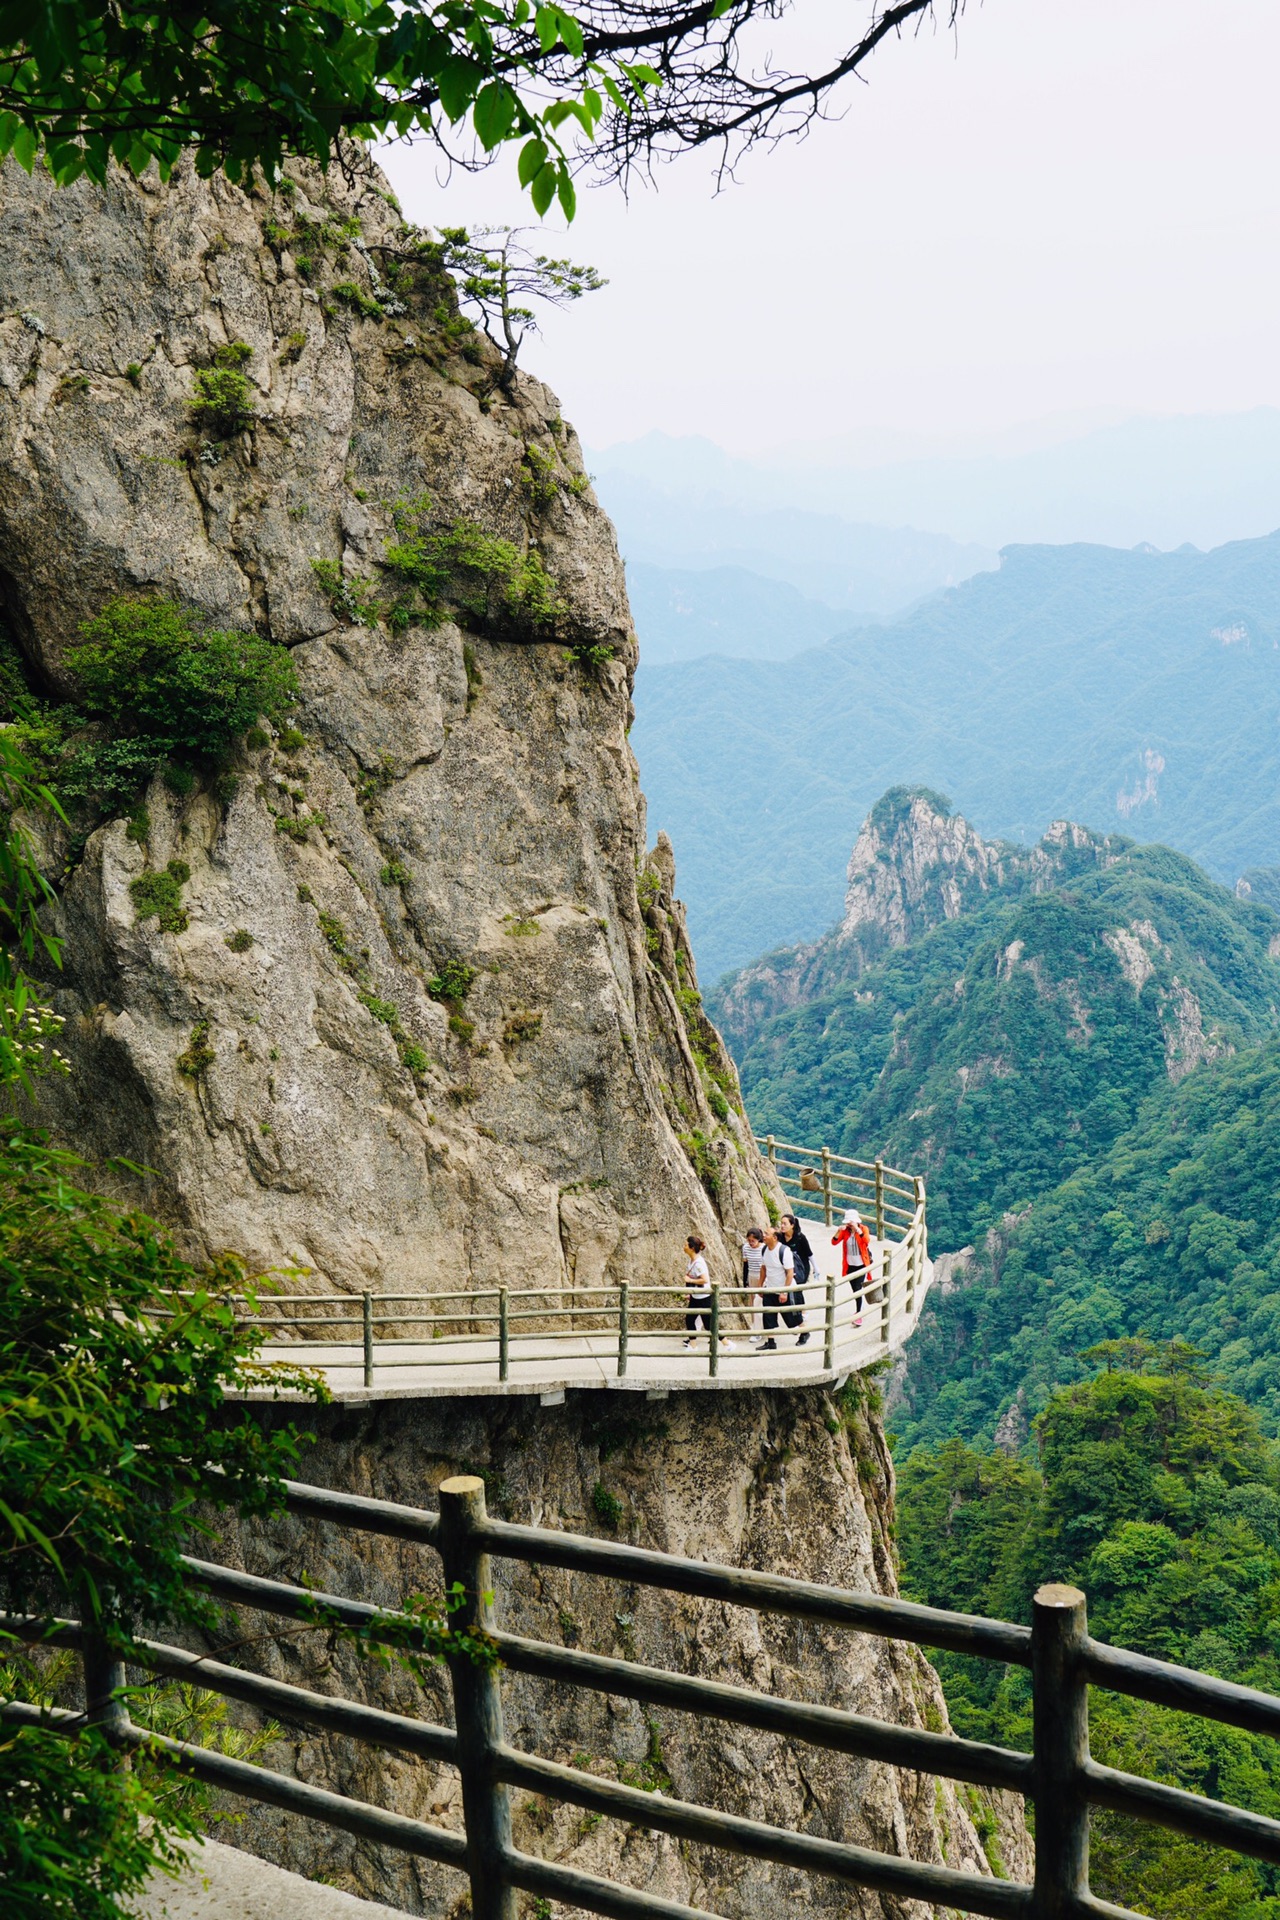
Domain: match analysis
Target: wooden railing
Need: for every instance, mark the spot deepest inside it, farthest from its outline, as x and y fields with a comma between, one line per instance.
x=1058, y=1775
x=502, y=1334
x=813, y=1176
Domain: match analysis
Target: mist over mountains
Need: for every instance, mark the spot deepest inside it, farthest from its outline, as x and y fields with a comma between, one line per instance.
x=1133, y=691
x=1202, y=478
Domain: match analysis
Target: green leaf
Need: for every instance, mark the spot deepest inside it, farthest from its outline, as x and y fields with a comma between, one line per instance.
x=567, y=192
x=570, y=33
x=542, y=188
x=493, y=114
x=458, y=81
x=24, y=148
x=533, y=157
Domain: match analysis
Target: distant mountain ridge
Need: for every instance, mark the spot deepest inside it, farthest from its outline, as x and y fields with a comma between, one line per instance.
x=683, y=613
x=1166, y=480
x=1138, y=691
x=864, y=566
x=993, y=1016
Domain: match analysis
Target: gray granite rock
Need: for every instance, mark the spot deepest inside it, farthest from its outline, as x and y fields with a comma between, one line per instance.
x=473, y=795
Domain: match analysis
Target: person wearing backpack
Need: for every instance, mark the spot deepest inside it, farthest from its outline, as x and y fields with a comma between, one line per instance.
x=790, y=1230
x=855, y=1245
x=777, y=1273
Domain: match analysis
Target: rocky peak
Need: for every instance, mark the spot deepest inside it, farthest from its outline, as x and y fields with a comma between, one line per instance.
x=916, y=864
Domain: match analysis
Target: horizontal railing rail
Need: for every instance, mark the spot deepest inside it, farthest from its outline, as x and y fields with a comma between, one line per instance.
x=613, y=1330
x=1058, y=1775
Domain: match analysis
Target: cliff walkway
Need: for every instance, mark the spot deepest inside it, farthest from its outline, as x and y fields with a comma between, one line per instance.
x=500, y=1340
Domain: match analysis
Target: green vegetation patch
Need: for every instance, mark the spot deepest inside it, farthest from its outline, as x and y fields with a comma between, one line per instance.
x=1157, y=1493
x=223, y=402
x=154, y=692
x=160, y=894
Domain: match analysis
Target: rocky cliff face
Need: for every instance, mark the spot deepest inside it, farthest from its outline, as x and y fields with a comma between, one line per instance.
x=915, y=864
x=458, y=795
x=801, y=1483
x=429, y=1009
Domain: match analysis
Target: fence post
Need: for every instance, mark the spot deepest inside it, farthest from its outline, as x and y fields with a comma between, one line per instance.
x=771, y=1148
x=715, y=1329
x=1060, y=1711
x=367, y=1300
x=104, y=1684
x=504, y=1335
x=918, y=1274
x=829, y=1343
x=886, y=1283
x=623, y=1327
x=826, y=1185
x=879, y=1199
x=477, y=1701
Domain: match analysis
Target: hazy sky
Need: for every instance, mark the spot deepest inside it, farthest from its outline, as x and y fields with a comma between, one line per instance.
x=1069, y=206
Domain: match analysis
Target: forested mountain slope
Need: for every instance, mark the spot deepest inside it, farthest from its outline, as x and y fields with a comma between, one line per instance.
x=1139, y=691
x=1155, y=1491
x=1008, y=1045
x=1173, y=1231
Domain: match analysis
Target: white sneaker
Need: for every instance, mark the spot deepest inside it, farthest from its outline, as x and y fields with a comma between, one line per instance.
x=691, y=1341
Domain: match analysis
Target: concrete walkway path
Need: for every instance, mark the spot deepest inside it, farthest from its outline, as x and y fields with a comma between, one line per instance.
x=223, y=1884
x=658, y=1362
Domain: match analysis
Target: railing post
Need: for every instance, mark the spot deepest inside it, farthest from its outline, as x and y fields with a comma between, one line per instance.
x=879, y=1199
x=504, y=1335
x=1060, y=1710
x=477, y=1701
x=715, y=1329
x=886, y=1283
x=829, y=1342
x=771, y=1148
x=826, y=1185
x=624, y=1328
x=104, y=1685
x=367, y=1299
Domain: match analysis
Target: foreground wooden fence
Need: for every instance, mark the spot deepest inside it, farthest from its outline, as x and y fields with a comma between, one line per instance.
x=1058, y=1775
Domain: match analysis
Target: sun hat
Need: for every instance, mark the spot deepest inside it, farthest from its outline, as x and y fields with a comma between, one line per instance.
x=852, y=1218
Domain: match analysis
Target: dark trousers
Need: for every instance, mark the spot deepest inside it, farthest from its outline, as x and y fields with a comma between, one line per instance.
x=858, y=1278
x=789, y=1318
x=699, y=1305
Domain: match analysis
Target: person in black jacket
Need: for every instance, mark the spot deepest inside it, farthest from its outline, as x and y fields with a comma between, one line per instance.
x=790, y=1230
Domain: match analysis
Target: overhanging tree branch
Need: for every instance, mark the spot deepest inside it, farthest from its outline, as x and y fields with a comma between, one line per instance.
x=612, y=85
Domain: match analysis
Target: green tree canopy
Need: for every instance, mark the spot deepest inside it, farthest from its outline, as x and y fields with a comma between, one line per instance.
x=1157, y=1493
x=242, y=83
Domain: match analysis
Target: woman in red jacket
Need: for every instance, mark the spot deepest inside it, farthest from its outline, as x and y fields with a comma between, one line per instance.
x=855, y=1246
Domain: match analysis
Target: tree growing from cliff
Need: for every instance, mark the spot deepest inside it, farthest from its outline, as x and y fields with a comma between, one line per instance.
x=497, y=276
x=242, y=83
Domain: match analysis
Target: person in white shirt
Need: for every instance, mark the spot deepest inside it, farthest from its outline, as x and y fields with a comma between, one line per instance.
x=777, y=1270
x=698, y=1301
x=752, y=1254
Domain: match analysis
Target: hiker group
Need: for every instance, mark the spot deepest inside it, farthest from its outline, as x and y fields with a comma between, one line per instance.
x=777, y=1264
